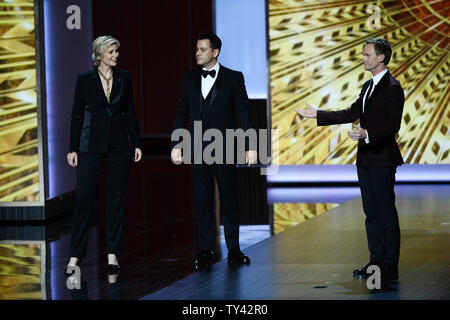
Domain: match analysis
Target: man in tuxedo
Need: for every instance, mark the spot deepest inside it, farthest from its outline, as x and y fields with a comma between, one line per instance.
x=379, y=109
x=213, y=95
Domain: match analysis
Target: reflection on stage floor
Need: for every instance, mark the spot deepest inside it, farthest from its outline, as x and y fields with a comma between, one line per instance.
x=311, y=259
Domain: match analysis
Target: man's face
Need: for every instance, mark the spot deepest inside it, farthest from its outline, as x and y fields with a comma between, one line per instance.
x=370, y=58
x=204, y=54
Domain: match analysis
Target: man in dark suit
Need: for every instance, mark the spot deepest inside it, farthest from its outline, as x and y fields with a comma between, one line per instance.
x=213, y=95
x=379, y=109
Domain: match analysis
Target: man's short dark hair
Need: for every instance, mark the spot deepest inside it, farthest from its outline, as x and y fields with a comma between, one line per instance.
x=381, y=46
x=214, y=40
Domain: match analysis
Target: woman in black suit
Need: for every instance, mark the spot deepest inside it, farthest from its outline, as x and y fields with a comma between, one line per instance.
x=104, y=131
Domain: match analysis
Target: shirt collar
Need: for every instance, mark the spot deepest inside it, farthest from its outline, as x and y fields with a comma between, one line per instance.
x=216, y=67
x=378, y=77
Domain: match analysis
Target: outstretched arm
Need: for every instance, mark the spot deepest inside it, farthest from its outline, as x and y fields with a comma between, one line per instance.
x=325, y=118
x=309, y=113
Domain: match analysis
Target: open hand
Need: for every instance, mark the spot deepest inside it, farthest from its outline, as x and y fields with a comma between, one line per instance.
x=357, y=133
x=309, y=113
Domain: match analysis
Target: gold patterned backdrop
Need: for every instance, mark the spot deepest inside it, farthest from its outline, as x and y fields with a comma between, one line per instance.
x=316, y=57
x=286, y=215
x=19, y=170
x=22, y=271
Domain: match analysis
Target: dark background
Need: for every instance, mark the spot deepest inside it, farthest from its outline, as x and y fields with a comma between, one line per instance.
x=157, y=47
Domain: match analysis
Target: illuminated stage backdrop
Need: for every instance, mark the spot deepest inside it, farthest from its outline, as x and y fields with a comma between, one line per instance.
x=19, y=168
x=22, y=270
x=316, y=57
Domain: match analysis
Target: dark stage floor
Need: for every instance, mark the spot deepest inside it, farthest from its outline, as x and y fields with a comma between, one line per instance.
x=313, y=260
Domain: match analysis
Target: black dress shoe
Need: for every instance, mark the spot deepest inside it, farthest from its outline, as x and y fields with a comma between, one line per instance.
x=67, y=274
x=386, y=285
x=203, y=259
x=113, y=269
x=362, y=272
x=236, y=257
x=389, y=272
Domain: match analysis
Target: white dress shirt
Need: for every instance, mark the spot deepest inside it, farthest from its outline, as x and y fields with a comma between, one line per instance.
x=209, y=81
x=375, y=80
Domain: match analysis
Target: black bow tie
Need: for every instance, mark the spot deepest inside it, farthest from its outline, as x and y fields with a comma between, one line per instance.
x=205, y=73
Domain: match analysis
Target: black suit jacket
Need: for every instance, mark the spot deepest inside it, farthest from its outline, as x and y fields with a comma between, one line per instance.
x=96, y=124
x=382, y=118
x=228, y=99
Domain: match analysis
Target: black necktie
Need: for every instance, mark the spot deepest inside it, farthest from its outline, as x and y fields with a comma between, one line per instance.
x=205, y=73
x=368, y=94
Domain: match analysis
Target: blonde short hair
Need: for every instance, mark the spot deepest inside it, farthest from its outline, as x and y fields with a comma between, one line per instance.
x=100, y=45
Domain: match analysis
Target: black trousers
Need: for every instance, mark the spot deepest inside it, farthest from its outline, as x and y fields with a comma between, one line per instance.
x=89, y=167
x=382, y=227
x=203, y=189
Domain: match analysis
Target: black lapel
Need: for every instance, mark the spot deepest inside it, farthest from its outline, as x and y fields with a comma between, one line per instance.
x=117, y=87
x=217, y=85
x=365, y=88
x=99, y=93
x=116, y=81
x=364, y=91
x=378, y=87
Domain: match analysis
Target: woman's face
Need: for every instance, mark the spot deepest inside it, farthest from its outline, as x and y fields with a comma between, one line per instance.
x=110, y=56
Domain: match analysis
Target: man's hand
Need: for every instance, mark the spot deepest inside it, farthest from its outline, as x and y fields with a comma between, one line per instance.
x=72, y=159
x=309, y=113
x=251, y=157
x=357, y=133
x=176, y=156
x=137, y=154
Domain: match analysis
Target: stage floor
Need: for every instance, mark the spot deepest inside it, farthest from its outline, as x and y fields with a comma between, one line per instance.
x=315, y=259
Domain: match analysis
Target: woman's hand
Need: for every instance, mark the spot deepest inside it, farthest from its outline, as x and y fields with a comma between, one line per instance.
x=72, y=159
x=137, y=154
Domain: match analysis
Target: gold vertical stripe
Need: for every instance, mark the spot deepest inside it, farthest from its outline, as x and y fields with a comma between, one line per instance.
x=19, y=170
